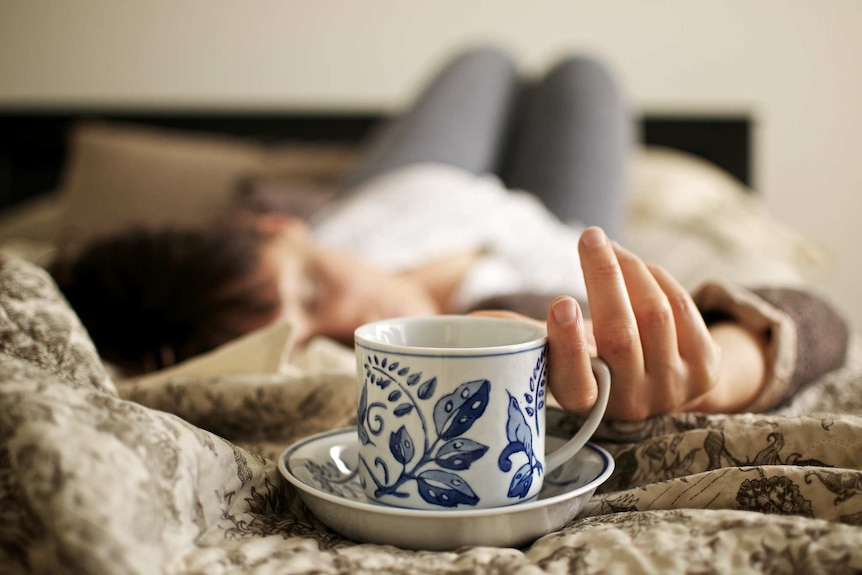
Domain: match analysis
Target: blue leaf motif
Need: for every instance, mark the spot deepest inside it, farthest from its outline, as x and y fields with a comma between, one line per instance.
x=426, y=390
x=394, y=395
x=403, y=409
x=414, y=379
x=401, y=445
x=456, y=412
x=521, y=481
x=363, y=435
x=445, y=489
x=383, y=382
x=458, y=454
x=362, y=411
x=362, y=408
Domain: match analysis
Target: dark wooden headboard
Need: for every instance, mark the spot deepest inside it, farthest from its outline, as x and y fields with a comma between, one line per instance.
x=33, y=142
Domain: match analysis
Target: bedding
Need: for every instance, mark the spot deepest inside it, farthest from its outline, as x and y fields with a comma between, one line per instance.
x=176, y=472
x=99, y=480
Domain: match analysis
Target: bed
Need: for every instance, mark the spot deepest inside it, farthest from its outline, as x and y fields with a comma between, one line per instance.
x=176, y=472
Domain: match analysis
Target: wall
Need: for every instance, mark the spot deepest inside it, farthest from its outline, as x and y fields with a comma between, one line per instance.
x=795, y=64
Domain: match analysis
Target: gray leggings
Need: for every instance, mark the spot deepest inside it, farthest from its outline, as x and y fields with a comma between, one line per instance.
x=565, y=138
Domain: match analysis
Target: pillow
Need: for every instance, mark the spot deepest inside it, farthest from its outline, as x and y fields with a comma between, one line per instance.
x=124, y=175
x=325, y=164
x=700, y=223
x=33, y=220
x=121, y=175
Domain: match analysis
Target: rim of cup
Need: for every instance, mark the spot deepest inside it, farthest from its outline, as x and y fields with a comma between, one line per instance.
x=384, y=335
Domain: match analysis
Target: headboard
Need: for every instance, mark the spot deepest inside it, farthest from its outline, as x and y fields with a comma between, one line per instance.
x=33, y=141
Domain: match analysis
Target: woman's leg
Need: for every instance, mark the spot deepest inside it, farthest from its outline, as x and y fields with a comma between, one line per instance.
x=461, y=118
x=572, y=143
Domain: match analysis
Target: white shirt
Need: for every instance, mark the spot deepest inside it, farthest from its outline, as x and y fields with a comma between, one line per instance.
x=423, y=212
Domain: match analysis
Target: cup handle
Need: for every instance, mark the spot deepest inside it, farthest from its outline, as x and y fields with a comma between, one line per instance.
x=567, y=451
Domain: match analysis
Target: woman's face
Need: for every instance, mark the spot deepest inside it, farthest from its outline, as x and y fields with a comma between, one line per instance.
x=329, y=293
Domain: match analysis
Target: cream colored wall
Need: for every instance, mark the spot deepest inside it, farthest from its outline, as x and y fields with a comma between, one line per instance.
x=795, y=64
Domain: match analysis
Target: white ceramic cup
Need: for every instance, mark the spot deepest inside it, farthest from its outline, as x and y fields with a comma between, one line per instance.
x=451, y=411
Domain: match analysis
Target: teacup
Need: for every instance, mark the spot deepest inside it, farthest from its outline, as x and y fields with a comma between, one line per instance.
x=451, y=411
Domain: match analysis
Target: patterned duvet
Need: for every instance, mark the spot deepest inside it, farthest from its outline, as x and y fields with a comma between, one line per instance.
x=95, y=481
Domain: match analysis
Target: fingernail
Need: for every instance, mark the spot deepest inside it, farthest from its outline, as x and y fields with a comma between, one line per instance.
x=593, y=237
x=565, y=311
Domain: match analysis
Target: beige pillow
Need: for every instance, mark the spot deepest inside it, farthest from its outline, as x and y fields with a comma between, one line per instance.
x=119, y=176
x=326, y=164
x=700, y=223
x=124, y=175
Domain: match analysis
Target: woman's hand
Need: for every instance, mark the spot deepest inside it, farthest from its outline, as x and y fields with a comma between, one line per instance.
x=646, y=327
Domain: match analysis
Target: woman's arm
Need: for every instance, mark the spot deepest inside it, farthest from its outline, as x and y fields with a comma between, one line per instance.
x=740, y=375
x=756, y=350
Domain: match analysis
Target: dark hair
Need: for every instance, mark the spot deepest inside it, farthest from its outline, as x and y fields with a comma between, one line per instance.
x=150, y=298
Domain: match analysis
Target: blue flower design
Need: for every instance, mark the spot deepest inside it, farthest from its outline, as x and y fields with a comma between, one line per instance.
x=432, y=462
x=520, y=434
x=435, y=459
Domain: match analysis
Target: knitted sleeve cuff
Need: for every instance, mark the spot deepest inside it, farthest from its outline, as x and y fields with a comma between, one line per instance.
x=805, y=337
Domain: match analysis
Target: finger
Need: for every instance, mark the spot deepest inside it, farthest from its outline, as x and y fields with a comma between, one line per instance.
x=657, y=327
x=695, y=343
x=614, y=323
x=570, y=374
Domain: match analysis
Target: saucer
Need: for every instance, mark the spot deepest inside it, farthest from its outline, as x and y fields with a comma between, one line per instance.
x=323, y=468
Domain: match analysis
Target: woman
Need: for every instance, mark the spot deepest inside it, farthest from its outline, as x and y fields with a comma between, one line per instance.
x=422, y=228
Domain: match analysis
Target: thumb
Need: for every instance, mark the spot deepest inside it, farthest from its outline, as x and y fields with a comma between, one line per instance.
x=570, y=373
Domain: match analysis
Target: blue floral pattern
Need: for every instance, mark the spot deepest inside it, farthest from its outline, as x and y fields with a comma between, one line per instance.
x=328, y=478
x=520, y=434
x=435, y=471
x=434, y=460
